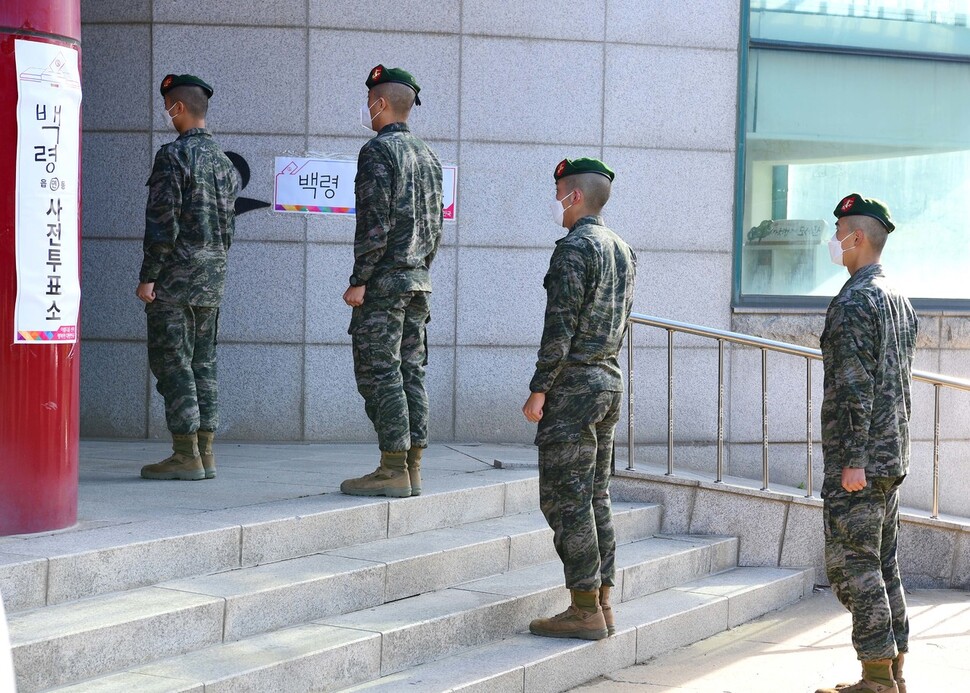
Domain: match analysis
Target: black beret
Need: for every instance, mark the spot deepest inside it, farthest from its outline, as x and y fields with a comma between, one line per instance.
x=382, y=75
x=571, y=168
x=855, y=205
x=172, y=81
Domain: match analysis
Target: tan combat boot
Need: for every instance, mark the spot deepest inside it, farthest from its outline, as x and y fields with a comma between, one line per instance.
x=877, y=677
x=185, y=463
x=390, y=479
x=414, y=470
x=205, y=452
x=607, y=609
x=582, y=620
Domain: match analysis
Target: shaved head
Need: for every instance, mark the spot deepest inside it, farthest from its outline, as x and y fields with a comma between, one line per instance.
x=192, y=97
x=596, y=189
x=873, y=229
x=399, y=97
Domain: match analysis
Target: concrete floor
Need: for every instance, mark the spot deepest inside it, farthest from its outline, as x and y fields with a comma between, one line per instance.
x=806, y=646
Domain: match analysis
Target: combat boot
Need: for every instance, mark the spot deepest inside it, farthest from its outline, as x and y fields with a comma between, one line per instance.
x=390, y=479
x=607, y=609
x=582, y=620
x=184, y=464
x=877, y=677
x=205, y=452
x=414, y=470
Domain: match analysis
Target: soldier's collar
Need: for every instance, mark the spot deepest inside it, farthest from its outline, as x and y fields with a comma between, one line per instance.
x=588, y=220
x=194, y=131
x=395, y=127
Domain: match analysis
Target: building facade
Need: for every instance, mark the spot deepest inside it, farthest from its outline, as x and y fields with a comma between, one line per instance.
x=713, y=113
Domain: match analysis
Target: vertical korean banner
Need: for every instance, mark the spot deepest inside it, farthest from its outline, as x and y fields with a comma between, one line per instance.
x=48, y=130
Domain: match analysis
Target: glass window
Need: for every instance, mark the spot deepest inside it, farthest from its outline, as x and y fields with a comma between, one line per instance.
x=867, y=97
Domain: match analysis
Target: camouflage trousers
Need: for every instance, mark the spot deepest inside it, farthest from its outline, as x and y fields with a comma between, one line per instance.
x=182, y=357
x=575, y=439
x=390, y=354
x=861, y=532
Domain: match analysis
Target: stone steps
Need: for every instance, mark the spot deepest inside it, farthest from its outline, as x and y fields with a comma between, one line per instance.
x=329, y=592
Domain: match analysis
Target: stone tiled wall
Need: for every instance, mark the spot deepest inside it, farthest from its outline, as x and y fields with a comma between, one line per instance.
x=510, y=88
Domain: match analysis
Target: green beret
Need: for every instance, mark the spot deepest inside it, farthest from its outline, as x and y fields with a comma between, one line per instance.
x=383, y=75
x=855, y=205
x=571, y=168
x=172, y=81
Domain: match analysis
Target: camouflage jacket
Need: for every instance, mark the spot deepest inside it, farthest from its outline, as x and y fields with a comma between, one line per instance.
x=189, y=220
x=589, y=296
x=399, y=212
x=867, y=348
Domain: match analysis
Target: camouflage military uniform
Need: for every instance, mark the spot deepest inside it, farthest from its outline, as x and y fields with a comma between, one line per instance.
x=867, y=347
x=399, y=217
x=189, y=224
x=589, y=289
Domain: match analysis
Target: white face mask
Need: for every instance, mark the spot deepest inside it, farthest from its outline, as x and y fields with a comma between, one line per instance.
x=169, y=118
x=366, y=119
x=836, y=251
x=557, y=210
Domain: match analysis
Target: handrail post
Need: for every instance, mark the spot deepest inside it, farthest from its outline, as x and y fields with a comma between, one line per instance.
x=808, y=425
x=720, y=412
x=936, y=453
x=670, y=402
x=764, y=419
x=630, y=452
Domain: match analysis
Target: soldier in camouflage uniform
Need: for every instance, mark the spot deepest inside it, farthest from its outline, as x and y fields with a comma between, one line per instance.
x=576, y=394
x=867, y=348
x=399, y=218
x=189, y=224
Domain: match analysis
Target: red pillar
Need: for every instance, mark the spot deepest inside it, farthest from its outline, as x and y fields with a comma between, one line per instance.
x=39, y=386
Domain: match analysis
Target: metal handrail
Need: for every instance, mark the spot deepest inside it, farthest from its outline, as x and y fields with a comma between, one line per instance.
x=765, y=345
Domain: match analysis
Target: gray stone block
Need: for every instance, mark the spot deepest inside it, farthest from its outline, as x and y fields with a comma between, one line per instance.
x=113, y=387
x=953, y=331
x=386, y=15
x=264, y=285
x=293, y=660
x=97, y=561
x=494, y=384
x=639, y=209
x=431, y=58
x=633, y=522
x=537, y=114
x=522, y=191
x=522, y=495
x=453, y=501
x=699, y=86
x=321, y=524
x=432, y=625
x=434, y=560
x=540, y=19
x=282, y=13
x=115, y=11
x=109, y=275
x=23, y=581
x=335, y=411
x=89, y=638
x=260, y=153
x=657, y=564
x=671, y=619
x=675, y=496
x=256, y=89
x=508, y=312
x=755, y=518
x=804, y=543
x=286, y=593
x=125, y=682
x=530, y=539
x=705, y=24
x=595, y=659
x=114, y=170
x=751, y=592
x=115, y=74
x=261, y=393
x=926, y=555
x=961, y=563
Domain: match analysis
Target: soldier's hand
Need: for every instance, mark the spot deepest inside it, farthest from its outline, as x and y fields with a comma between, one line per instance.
x=354, y=296
x=146, y=292
x=533, y=406
x=853, y=479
